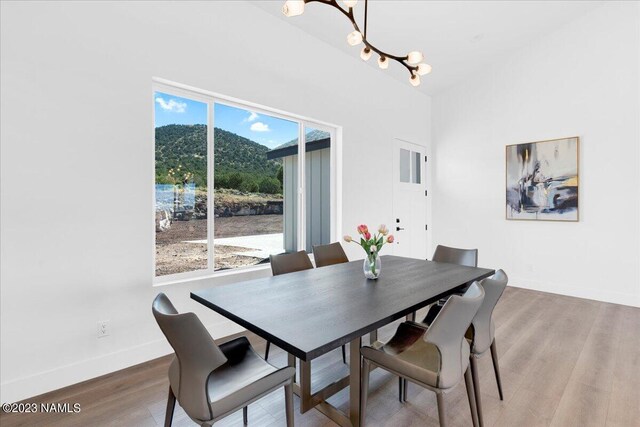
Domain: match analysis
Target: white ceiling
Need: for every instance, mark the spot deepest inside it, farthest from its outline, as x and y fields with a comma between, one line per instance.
x=458, y=38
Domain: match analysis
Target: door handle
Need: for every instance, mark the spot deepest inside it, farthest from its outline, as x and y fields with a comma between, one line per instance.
x=399, y=228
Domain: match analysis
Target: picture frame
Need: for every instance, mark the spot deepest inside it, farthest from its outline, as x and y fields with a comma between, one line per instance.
x=542, y=180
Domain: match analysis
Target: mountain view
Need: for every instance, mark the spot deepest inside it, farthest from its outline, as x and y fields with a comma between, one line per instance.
x=239, y=162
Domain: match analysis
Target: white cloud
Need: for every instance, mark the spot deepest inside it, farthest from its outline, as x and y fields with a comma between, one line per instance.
x=172, y=105
x=260, y=127
x=252, y=117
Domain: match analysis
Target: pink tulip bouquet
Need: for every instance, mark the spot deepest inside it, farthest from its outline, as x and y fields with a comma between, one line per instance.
x=372, y=244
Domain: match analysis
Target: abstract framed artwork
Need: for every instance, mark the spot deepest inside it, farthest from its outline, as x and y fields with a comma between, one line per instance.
x=542, y=180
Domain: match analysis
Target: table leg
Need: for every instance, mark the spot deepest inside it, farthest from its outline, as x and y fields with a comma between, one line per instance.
x=305, y=386
x=354, y=381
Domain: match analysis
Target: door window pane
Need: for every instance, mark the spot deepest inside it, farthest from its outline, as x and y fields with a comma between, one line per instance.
x=317, y=187
x=405, y=165
x=415, y=170
x=255, y=180
x=180, y=184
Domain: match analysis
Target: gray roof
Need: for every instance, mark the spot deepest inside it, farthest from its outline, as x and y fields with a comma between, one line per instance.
x=314, y=135
x=315, y=140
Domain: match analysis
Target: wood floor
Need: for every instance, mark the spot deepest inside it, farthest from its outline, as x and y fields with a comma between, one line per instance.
x=564, y=362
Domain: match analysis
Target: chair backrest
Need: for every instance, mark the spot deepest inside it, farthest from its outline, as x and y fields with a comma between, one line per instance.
x=289, y=263
x=329, y=254
x=447, y=333
x=468, y=257
x=483, y=328
x=197, y=354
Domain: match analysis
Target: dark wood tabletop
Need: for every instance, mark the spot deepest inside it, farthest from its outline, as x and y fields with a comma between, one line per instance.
x=311, y=312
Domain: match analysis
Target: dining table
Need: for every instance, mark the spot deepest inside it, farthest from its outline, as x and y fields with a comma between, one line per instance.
x=312, y=312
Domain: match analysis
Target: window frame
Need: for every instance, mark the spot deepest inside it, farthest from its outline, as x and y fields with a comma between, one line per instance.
x=212, y=98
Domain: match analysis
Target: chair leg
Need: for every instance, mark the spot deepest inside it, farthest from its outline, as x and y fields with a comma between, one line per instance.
x=441, y=416
x=405, y=389
x=288, y=403
x=171, y=406
x=468, y=382
x=496, y=367
x=473, y=363
x=364, y=389
x=266, y=352
x=344, y=354
x=400, y=390
x=245, y=415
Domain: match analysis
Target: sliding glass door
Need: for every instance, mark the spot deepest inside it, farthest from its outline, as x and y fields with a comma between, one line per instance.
x=227, y=192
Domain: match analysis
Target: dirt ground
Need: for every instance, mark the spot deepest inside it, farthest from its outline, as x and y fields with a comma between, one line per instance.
x=175, y=256
x=250, y=225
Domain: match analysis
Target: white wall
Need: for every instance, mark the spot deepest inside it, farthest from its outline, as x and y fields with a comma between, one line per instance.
x=77, y=162
x=581, y=80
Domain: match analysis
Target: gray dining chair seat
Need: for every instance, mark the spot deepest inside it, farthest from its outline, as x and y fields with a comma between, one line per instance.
x=435, y=357
x=482, y=336
x=211, y=381
x=407, y=354
x=243, y=378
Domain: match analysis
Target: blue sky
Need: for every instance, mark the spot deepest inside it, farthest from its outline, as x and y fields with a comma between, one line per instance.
x=263, y=129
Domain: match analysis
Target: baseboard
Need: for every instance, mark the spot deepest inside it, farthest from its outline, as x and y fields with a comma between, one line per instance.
x=575, y=291
x=63, y=376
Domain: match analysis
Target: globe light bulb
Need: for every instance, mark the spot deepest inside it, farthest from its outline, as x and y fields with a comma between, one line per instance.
x=293, y=8
x=383, y=63
x=354, y=38
x=414, y=57
x=414, y=80
x=365, y=54
x=350, y=3
x=424, y=69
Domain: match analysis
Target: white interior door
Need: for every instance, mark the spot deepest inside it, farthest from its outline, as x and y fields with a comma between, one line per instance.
x=409, y=200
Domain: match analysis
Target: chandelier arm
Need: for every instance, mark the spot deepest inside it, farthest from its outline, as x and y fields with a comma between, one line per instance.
x=366, y=15
x=349, y=14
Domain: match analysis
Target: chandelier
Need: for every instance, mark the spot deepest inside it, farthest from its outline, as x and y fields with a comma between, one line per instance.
x=411, y=61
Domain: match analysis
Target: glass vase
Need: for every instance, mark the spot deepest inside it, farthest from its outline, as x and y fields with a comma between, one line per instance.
x=372, y=266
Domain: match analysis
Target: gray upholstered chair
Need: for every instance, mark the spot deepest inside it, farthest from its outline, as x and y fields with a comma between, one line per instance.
x=287, y=263
x=468, y=257
x=329, y=254
x=290, y=263
x=435, y=357
x=211, y=381
x=481, y=333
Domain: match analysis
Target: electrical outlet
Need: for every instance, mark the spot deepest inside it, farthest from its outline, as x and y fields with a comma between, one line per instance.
x=103, y=328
